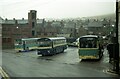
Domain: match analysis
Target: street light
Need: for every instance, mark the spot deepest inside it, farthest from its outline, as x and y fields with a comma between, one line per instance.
x=17, y=27
x=113, y=25
x=110, y=32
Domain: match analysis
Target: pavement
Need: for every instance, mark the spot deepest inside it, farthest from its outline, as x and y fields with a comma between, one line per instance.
x=112, y=69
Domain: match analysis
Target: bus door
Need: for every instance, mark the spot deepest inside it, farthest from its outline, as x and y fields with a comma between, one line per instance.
x=24, y=45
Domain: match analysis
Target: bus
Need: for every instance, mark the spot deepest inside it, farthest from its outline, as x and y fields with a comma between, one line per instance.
x=51, y=46
x=25, y=44
x=90, y=47
x=72, y=41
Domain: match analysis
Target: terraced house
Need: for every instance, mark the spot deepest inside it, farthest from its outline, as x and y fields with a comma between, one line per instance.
x=24, y=28
x=33, y=27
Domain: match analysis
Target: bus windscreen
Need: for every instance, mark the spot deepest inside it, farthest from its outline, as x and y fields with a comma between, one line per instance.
x=88, y=42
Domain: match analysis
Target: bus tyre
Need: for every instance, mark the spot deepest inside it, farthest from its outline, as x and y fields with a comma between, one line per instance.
x=19, y=51
x=99, y=57
x=63, y=51
x=43, y=55
x=27, y=48
x=102, y=53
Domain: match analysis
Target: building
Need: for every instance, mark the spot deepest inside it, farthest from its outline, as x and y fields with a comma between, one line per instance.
x=33, y=27
x=16, y=29
x=1, y=33
x=25, y=28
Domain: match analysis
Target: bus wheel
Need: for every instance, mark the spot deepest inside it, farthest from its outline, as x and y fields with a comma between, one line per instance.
x=43, y=55
x=99, y=57
x=19, y=51
x=27, y=48
x=62, y=50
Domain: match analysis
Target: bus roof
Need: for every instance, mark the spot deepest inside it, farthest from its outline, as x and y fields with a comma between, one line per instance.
x=53, y=38
x=89, y=36
x=24, y=39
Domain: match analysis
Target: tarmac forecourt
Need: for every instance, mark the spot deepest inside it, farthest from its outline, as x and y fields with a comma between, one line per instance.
x=3, y=74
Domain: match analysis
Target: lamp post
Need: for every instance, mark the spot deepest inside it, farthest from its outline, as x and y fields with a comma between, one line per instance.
x=75, y=30
x=116, y=42
x=114, y=31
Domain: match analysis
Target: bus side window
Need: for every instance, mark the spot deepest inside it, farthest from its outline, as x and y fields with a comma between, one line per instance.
x=20, y=42
x=52, y=43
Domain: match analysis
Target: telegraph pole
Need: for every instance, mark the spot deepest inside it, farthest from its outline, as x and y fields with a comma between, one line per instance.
x=116, y=41
x=75, y=30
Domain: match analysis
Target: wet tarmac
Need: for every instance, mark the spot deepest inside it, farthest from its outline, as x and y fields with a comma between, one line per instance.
x=66, y=64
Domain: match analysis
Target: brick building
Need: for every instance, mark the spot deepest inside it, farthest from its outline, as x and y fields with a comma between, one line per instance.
x=25, y=28
x=15, y=29
x=34, y=27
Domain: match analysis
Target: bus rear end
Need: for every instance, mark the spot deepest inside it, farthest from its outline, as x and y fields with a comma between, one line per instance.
x=89, y=48
x=89, y=53
x=44, y=47
x=18, y=45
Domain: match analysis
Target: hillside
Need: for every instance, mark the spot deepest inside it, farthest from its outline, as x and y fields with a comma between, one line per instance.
x=107, y=16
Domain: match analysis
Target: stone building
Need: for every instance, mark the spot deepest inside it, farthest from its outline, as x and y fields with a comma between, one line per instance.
x=33, y=27
x=81, y=31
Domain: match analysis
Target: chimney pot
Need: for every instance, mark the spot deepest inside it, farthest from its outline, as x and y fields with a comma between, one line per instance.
x=13, y=18
x=6, y=19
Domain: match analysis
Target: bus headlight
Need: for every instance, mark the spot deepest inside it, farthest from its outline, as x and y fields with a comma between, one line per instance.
x=16, y=44
x=48, y=51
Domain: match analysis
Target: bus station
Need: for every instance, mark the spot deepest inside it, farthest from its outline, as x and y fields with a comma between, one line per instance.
x=86, y=46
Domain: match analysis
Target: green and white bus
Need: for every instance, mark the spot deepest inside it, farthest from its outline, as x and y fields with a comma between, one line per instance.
x=51, y=46
x=25, y=44
x=90, y=47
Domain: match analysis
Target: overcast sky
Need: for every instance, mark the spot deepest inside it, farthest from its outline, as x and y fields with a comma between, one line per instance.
x=56, y=8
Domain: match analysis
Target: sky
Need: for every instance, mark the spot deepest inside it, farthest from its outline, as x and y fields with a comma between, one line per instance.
x=56, y=8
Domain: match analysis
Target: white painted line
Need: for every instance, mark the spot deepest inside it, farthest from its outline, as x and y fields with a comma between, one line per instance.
x=3, y=74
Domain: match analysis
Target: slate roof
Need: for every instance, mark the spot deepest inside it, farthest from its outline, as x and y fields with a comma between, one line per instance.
x=39, y=21
x=22, y=21
x=95, y=24
x=56, y=24
x=19, y=21
x=1, y=20
x=8, y=22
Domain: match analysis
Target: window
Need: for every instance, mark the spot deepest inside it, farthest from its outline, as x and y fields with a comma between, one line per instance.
x=88, y=43
x=33, y=33
x=45, y=34
x=33, y=24
x=33, y=16
x=6, y=40
x=44, y=43
x=52, y=33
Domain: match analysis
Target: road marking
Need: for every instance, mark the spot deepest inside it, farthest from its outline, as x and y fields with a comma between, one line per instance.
x=3, y=74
